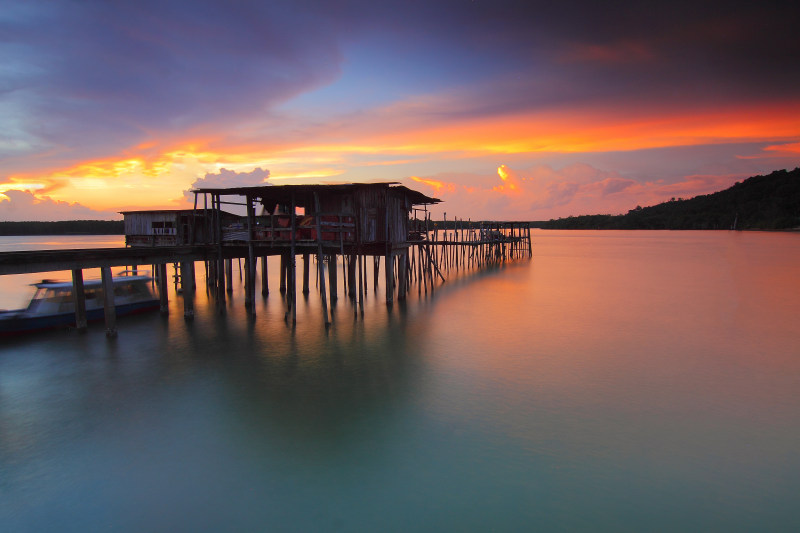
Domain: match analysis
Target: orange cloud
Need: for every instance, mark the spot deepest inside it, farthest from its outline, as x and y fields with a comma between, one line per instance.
x=785, y=149
x=509, y=185
x=437, y=186
x=394, y=130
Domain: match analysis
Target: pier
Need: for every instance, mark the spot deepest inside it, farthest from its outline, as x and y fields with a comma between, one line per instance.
x=349, y=229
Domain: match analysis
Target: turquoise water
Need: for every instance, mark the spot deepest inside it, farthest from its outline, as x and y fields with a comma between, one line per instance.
x=619, y=381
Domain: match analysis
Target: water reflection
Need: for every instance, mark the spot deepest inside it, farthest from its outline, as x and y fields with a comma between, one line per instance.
x=619, y=380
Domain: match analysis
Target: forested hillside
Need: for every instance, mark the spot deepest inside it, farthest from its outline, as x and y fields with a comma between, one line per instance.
x=769, y=202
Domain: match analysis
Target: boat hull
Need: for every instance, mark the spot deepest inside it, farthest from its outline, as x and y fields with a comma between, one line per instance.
x=20, y=324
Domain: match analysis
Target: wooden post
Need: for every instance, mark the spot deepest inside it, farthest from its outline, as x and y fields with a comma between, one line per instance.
x=320, y=263
x=530, y=247
x=376, y=268
x=360, y=287
x=250, y=261
x=402, y=275
x=293, y=262
x=389, y=269
x=332, y=272
x=221, y=263
x=219, y=288
x=79, y=299
x=306, y=269
x=366, y=277
x=351, y=276
x=249, y=288
x=284, y=270
x=344, y=273
x=109, y=309
x=162, y=288
x=187, y=281
x=264, y=276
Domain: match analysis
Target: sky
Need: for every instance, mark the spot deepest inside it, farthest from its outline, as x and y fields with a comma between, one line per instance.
x=506, y=110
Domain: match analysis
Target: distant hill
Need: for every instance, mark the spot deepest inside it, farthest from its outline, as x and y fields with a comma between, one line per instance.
x=769, y=202
x=67, y=227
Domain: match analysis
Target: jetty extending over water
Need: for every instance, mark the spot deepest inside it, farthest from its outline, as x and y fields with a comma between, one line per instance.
x=349, y=226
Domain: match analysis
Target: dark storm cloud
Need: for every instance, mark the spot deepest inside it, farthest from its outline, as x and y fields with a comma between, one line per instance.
x=94, y=73
x=676, y=54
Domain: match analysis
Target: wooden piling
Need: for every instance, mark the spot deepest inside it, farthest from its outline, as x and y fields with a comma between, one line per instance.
x=376, y=268
x=264, y=276
x=79, y=299
x=109, y=309
x=389, y=269
x=187, y=282
x=320, y=262
x=229, y=275
x=351, y=276
x=402, y=275
x=284, y=271
x=250, y=260
x=293, y=260
x=306, y=269
x=162, y=288
x=332, y=273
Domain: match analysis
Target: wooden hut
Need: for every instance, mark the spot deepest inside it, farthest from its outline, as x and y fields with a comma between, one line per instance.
x=371, y=216
x=169, y=227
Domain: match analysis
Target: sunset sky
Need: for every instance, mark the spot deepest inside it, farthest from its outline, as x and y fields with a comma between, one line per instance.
x=518, y=110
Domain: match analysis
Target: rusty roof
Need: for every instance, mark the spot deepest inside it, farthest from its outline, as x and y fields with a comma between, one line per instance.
x=284, y=193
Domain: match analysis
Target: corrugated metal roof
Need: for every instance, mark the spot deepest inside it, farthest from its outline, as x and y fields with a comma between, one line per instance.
x=284, y=193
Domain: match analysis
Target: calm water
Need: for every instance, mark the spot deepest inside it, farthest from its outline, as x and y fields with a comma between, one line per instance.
x=619, y=381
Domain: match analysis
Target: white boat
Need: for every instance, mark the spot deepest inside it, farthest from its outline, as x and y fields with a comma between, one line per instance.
x=52, y=304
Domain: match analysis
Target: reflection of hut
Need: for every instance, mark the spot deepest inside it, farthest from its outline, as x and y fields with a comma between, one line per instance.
x=167, y=227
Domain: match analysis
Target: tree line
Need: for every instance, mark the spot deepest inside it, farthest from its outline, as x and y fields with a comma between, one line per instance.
x=770, y=202
x=66, y=227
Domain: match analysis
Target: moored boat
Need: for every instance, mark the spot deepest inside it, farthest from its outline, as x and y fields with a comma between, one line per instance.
x=52, y=305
